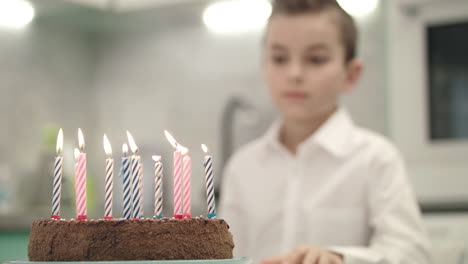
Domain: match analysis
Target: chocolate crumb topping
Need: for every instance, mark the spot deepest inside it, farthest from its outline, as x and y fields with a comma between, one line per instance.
x=142, y=239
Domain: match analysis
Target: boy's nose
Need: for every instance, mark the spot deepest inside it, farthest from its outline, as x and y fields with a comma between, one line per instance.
x=295, y=72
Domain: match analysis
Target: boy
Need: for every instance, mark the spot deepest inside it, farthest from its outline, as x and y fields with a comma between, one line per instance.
x=317, y=188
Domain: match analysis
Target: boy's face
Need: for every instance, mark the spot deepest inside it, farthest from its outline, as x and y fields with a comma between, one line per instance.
x=304, y=65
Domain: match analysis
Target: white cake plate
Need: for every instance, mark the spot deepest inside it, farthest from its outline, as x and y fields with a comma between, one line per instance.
x=209, y=261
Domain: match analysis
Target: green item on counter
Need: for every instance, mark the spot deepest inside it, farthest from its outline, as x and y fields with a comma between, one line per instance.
x=13, y=245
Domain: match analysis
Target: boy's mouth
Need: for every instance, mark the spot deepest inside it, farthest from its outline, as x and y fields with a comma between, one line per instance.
x=295, y=95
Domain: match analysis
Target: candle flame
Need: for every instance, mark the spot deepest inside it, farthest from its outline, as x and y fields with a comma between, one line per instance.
x=59, y=141
x=205, y=148
x=182, y=149
x=77, y=153
x=107, y=146
x=171, y=139
x=132, y=143
x=81, y=142
x=156, y=158
x=125, y=149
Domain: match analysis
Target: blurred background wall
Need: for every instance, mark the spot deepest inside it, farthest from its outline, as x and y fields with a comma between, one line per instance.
x=146, y=70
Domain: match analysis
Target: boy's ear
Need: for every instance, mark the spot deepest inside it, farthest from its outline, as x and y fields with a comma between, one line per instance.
x=354, y=69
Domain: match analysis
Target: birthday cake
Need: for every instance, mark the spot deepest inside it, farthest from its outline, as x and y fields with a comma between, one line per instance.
x=141, y=239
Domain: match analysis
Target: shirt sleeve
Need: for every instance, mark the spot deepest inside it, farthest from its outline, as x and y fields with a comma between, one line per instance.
x=231, y=210
x=398, y=235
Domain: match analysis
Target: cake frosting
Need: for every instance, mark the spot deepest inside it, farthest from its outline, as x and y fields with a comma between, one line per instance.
x=140, y=239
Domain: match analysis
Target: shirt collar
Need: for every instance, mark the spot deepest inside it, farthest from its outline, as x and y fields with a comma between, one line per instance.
x=332, y=136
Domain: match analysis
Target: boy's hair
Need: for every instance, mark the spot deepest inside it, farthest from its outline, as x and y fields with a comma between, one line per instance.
x=347, y=26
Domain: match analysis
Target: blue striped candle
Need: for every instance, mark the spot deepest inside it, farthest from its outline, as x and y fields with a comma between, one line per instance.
x=127, y=190
x=140, y=187
x=57, y=181
x=135, y=171
x=210, y=198
x=109, y=183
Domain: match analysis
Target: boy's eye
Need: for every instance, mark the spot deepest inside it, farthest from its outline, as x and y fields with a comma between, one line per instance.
x=316, y=59
x=279, y=59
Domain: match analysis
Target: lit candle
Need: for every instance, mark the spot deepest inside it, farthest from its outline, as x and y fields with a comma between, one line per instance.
x=109, y=184
x=57, y=182
x=127, y=190
x=80, y=178
x=158, y=192
x=135, y=175
x=177, y=176
x=140, y=186
x=186, y=178
x=210, y=198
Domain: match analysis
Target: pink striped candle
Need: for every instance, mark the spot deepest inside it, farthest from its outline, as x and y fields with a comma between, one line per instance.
x=80, y=185
x=186, y=178
x=80, y=175
x=178, y=184
x=177, y=176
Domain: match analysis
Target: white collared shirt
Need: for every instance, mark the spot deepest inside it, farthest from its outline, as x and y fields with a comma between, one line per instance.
x=346, y=189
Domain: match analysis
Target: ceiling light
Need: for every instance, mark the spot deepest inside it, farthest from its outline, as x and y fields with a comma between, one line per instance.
x=358, y=7
x=15, y=13
x=237, y=15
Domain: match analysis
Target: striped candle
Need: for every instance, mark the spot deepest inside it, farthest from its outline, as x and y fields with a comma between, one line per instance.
x=109, y=188
x=210, y=198
x=135, y=171
x=127, y=190
x=158, y=192
x=177, y=184
x=186, y=178
x=80, y=185
x=140, y=187
x=80, y=174
x=109, y=183
x=177, y=175
x=57, y=181
x=135, y=161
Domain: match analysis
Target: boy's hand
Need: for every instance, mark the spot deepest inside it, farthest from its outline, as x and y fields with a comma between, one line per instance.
x=306, y=255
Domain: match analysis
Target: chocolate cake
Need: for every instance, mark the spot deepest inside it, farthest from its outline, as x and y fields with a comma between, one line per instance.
x=143, y=239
